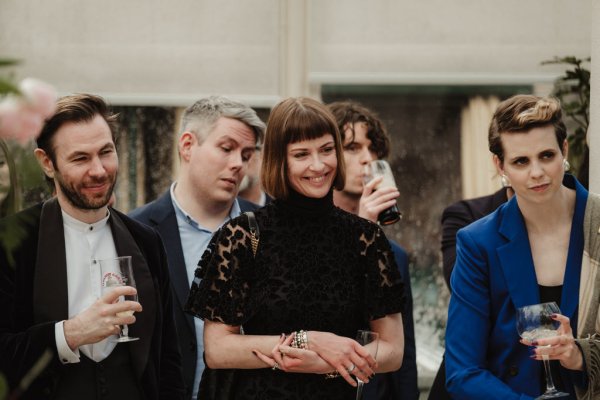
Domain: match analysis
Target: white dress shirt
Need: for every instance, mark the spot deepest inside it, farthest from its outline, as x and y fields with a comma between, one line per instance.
x=85, y=243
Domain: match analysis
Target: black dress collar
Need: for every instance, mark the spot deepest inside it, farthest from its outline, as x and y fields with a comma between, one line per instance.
x=299, y=204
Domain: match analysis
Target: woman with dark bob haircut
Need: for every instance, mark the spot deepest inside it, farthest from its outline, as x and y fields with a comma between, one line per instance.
x=318, y=275
x=541, y=246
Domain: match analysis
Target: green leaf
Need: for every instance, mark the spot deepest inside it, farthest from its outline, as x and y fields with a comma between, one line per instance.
x=6, y=62
x=3, y=387
x=573, y=91
x=572, y=75
x=585, y=75
x=7, y=87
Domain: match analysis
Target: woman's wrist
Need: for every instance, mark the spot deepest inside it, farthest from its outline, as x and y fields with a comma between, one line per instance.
x=313, y=343
x=579, y=364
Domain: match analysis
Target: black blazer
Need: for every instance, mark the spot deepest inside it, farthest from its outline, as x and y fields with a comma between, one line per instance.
x=160, y=215
x=461, y=214
x=33, y=294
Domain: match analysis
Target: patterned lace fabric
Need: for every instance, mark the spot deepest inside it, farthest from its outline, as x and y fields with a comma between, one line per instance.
x=317, y=268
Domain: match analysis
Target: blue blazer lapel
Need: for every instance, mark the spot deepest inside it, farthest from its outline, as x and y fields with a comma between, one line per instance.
x=515, y=257
x=164, y=220
x=569, y=301
x=570, y=293
x=517, y=261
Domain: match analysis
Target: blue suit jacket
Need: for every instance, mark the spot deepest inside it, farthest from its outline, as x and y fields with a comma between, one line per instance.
x=493, y=276
x=160, y=215
x=401, y=384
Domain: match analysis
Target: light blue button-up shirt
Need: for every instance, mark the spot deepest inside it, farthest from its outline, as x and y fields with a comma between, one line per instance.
x=194, y=241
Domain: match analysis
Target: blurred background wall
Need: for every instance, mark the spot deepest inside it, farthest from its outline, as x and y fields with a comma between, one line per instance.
x=434, y=70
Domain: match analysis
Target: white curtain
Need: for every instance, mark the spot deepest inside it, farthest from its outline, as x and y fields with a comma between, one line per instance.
x=479, y=176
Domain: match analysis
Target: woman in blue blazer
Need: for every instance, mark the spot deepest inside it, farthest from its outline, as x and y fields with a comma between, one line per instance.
x=528, y=251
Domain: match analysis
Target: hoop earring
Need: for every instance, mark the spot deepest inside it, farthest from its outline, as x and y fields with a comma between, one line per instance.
x=566, y=165
x=504, y=180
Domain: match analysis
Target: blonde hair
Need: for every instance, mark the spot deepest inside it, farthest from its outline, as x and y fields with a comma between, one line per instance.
x=521, y=113
x=202, y=116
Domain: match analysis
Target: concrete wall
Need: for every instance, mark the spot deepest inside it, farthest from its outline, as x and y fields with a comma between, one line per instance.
x=445, y=42
x=148, y=52
x=594, y=129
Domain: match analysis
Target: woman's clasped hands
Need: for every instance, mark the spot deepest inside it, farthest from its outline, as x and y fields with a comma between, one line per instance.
x=561, y=347
x=326, y=353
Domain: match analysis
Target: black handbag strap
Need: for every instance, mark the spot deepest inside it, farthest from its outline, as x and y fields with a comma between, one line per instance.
x=254, y=231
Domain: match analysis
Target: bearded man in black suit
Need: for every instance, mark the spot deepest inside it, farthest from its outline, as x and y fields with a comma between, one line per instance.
x=51, y=304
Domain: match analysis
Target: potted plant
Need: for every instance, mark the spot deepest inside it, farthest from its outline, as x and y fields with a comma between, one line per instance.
x=573, y=90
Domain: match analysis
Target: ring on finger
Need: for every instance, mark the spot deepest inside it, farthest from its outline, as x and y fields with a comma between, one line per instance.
x=275, y=367
x=351, y=368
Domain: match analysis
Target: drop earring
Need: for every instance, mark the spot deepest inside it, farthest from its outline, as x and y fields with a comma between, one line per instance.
x=566, y=165
x=504, y=180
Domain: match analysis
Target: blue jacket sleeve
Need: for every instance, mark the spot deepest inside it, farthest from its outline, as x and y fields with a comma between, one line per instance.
x=469, y=327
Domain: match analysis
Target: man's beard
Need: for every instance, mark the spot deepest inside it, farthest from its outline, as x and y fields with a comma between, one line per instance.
x=82, y=202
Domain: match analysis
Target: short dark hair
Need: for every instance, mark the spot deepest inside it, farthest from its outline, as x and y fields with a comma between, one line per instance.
x=293, y=120
x=349, y=112
x=76, y=108
x=521, y=113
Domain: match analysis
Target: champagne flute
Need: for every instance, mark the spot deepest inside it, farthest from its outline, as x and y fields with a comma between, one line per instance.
x=370, y=340
x=375, y=169
x=535, y=322
x=118, y=272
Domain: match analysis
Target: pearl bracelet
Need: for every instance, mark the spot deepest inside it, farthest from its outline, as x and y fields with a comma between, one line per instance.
x=300, y=340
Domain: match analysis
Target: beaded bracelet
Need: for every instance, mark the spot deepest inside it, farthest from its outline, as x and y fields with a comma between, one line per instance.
x=300, y=340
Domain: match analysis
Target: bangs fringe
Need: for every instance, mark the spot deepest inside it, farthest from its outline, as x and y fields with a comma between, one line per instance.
x=308, y=125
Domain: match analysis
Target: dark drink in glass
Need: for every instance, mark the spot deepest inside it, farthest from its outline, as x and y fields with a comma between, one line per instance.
x=374, y=170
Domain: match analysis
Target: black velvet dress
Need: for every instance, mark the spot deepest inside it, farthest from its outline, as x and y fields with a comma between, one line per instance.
x=317, y=268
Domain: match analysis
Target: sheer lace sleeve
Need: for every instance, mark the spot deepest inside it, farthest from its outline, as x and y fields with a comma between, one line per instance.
x=221, y=286
x=384, y=286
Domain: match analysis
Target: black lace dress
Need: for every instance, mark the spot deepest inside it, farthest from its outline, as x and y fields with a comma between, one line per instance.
x=317, y=268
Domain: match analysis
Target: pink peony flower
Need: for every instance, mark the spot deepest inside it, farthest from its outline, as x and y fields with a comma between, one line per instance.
x=10, y=120
x=22, y=118
x=40, y=95
x=32, y=123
